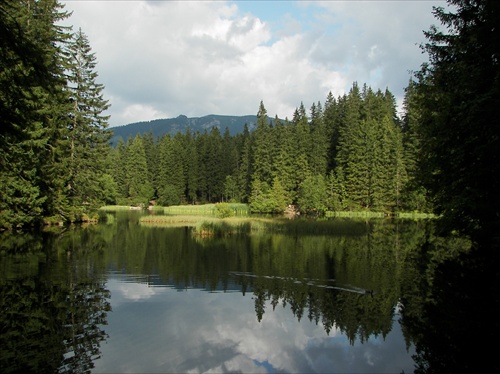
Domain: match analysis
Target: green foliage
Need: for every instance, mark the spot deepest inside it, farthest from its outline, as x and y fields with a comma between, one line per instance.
x=262, y=199
x=54, y=145
x=458, y=97
x=237, y=209
x=313, y=195
x=223, y=210
x=56, y=162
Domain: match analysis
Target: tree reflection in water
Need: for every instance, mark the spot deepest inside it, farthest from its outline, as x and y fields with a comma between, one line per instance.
x=54, y=299
x=54, y=304
x=451, y=307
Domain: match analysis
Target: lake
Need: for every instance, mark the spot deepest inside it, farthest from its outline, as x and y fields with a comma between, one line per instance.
x=352, y=296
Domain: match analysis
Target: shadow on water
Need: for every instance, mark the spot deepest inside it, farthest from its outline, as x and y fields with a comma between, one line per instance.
x=451, y=308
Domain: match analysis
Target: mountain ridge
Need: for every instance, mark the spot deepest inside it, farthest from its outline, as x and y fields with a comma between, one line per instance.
x=163, y=126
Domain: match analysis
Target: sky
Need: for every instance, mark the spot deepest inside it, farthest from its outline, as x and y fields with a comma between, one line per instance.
x=163, y=58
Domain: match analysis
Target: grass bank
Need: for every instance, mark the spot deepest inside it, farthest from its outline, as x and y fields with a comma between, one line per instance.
x=114, y=208
x=236, y=209
x=218, y=227
x=368, y=214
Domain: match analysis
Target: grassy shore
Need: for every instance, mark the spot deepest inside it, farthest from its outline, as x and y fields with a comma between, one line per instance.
x=206, y=222
x=114, y=208
x=236, y=209
x=222, y=227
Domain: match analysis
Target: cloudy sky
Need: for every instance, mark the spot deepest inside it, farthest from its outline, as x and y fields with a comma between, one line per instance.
x=161, y=59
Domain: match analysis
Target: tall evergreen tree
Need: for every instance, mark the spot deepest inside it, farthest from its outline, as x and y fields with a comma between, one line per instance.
x=119, y=169
x=139, y=188
x=331, y=119
x=245, y=171
x=262, y=148
x=318, y=158
x=31, y=107
x=172, y=183
x=87, y=127
x=460, y=91
x=414, y=194
x=152, y=158
x=192, y=175
x=284, y=163
x=352, y=156
x=215, y=166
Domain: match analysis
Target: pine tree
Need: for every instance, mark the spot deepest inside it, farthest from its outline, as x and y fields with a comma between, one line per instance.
x=119, y=169
x=244, y=172
x=192, y=176
x=262, y=148
x=151, y=149
x=172, y=181
x=352, y=155
x=414, y=193
x=31, y=106
x=318, y=159
x=460, y=92
x=284, y=164
x=87, y=135
x=215, y=166
x=139, y=189
x=332, y=116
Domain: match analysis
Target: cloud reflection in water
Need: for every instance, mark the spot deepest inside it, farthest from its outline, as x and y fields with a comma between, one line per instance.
x=158, y=329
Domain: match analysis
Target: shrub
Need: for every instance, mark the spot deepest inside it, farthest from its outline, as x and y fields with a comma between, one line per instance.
x=222, y=210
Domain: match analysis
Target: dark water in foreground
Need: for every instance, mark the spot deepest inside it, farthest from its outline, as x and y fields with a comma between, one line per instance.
x=344, y=297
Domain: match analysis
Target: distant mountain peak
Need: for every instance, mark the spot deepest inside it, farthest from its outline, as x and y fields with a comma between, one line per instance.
x=160, y=127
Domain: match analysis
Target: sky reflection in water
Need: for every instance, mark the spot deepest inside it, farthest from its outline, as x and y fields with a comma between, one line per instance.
x=164, y=329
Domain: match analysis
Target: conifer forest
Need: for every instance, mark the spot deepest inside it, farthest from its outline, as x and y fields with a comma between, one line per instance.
x=349, y=153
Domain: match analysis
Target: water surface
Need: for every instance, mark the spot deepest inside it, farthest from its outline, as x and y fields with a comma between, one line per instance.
x=125, y=297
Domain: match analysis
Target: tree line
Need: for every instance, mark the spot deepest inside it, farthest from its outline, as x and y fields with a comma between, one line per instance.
x=351, y=155
x=352, y=152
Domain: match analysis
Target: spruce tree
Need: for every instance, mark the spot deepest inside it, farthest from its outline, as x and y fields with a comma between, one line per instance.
x=118, y=169
x=318, y=159
x=284, y=164
x=414, y=194
x=244, y=171
x=172, y=181
x=139, y=188
x=31, y=107
x=192, y=165
x=460, y=97
x=262, y=148
x=87, y=125
x=215, y=166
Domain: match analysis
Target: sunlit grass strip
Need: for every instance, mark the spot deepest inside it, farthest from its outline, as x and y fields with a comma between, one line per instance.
x=218, y=227
x=210, y=226
x=206, y=209
x=114, y=208
x=367, y=214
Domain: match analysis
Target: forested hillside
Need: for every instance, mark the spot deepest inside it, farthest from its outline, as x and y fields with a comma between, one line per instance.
x=349, y=153
x=159, y=127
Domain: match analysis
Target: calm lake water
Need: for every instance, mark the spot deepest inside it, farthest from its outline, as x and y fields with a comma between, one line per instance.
x=341, y=296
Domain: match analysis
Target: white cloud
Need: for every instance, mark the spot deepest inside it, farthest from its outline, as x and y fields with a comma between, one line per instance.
x=165, y=58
